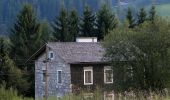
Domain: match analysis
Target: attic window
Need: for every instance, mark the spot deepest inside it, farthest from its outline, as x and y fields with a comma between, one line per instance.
x=51, y=55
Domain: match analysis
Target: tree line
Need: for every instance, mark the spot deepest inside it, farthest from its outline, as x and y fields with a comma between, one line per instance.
x=28, y=34
x=140, y=55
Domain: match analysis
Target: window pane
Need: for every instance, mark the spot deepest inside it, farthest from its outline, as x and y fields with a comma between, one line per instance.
x=51, y=55
x=44, y=72
x=109, y=75
x=88, y=77
x=59, y=77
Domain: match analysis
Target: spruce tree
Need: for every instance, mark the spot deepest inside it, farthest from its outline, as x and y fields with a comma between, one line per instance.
x=73, y=26
x=3, y=50
x=60, y=26
x=9, y=73
x=46, y=32
x=130, y=18
x=88, y=23
x=106, y=21
x=2, y=55
x=152, y=14
x=142, y=16
x=25, y=35
x=26, y=39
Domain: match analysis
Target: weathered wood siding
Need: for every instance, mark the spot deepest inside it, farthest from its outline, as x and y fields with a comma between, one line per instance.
x=77, y=77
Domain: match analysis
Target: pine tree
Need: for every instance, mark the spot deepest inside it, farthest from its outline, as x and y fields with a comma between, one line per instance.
x=25, y=35
x=88, y=23
x=152, y=14
x=130, y=18
x=73, y=25
x=142, y=16
x=2, y=48
x=9, y=73
x=46, y=32
x=60, y=26
x=106, y=21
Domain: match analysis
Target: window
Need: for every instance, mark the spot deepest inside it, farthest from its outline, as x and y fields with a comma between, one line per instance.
x=109, y=96
x=51, y=55
x=59, y=76
x=88, y=75
x=130, y=71
x=108, y=75
x=44, y=75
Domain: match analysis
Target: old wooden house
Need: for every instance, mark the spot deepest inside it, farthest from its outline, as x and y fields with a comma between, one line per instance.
x=65, y=67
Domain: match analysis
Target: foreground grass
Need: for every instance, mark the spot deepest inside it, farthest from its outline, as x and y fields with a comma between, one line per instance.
x=98, y=95
x=10, y=94
x=118, y=97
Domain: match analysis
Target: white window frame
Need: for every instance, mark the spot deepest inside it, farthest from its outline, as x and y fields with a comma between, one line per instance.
x=110, y=94
x=105, y=69
x=91, y=70
x=58, y=76
x=49, y=55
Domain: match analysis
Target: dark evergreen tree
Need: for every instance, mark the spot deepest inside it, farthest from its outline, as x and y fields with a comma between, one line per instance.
x=106, y=21
x=73, y=25
x=130, y=18
x=2, y=48
x=26, y=38
x=60, y=26
x=152, y=14
x=25, y=35
x=142, y=16
x=88, y=23
x=46, y=32
x=9, y=73
x=2, y=55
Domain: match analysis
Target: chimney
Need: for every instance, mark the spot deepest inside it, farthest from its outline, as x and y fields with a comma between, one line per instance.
x=86, y=39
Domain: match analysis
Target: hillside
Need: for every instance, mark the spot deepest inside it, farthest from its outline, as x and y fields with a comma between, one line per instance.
x=48, y=9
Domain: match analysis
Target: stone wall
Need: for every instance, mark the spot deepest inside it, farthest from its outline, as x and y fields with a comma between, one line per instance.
x=54, y=89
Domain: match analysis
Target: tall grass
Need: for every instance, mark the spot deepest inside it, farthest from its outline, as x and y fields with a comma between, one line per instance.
x=10, y=94
x=99, y=95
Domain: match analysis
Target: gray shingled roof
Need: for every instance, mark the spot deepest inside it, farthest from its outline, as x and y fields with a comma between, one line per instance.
x=74, y=52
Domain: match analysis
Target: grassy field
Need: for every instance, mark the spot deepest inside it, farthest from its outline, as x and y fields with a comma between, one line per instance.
x=10, y=94
x=163, y=10
x=98, y=96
